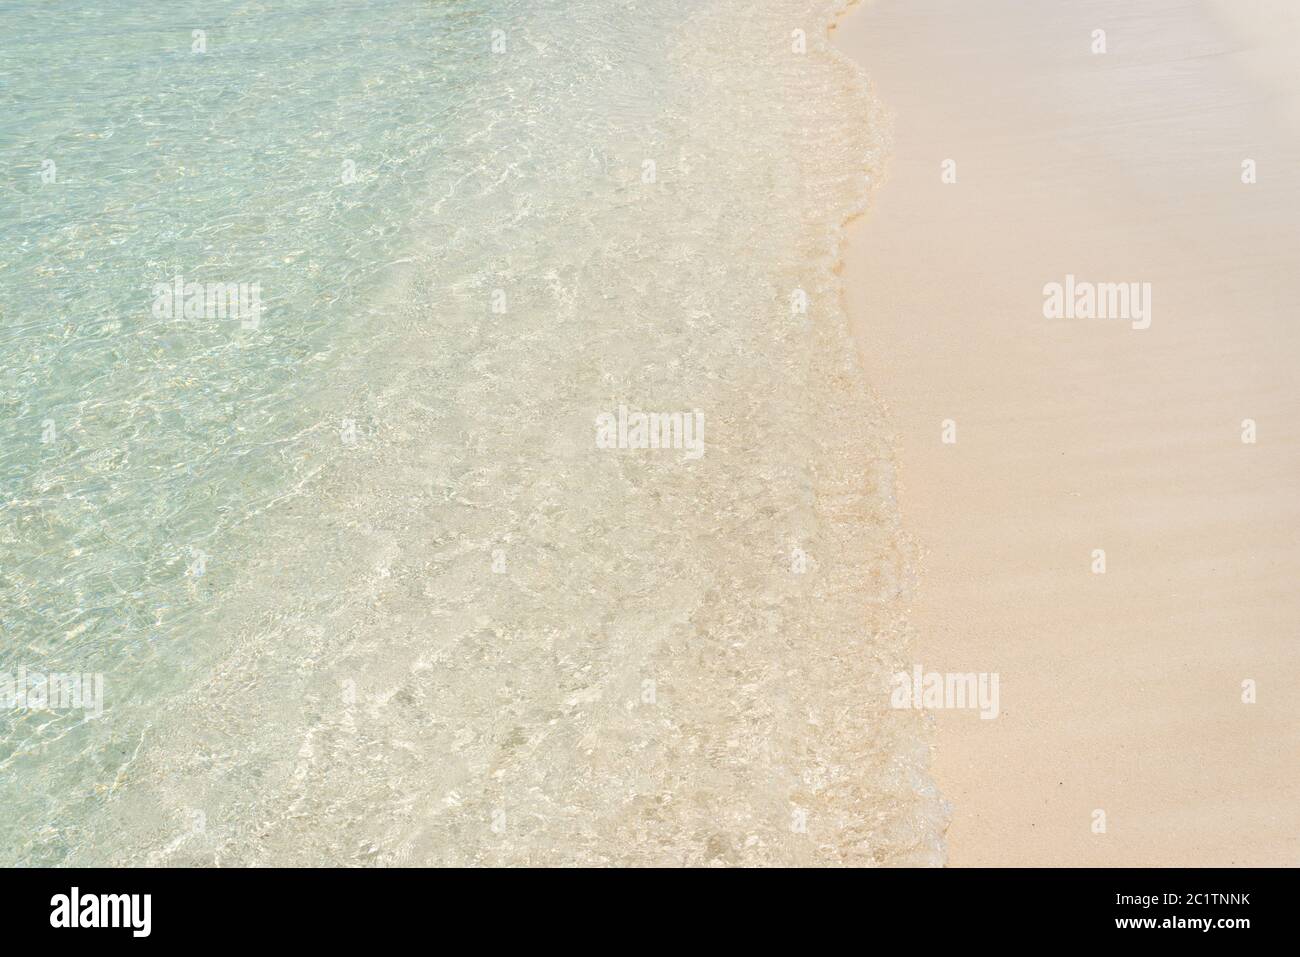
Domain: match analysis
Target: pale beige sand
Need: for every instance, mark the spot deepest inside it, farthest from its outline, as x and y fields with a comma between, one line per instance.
x=1120, y=691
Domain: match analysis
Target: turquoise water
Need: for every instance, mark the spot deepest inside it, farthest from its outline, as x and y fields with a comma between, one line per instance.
x=361, y=584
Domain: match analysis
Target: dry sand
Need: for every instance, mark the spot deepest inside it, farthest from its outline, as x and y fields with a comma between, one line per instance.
x=1120, y=691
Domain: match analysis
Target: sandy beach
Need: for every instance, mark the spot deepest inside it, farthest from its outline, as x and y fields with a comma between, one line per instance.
x=685, y=433
x=1121, y=690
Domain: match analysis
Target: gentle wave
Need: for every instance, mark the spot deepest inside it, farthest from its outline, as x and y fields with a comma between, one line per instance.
x=435, y=621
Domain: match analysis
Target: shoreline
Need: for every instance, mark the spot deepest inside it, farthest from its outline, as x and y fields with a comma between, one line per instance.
x=1123, y=737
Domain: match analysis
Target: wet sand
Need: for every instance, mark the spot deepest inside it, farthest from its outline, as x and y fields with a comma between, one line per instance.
x=1121, y=692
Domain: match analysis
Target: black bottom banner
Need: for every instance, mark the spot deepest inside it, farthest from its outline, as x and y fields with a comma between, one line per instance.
x=338, y=907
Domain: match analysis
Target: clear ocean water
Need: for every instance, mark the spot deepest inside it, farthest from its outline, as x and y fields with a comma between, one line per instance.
x=361, y=584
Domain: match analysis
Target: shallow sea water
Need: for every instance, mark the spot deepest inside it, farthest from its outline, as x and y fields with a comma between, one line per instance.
x=361, y=583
